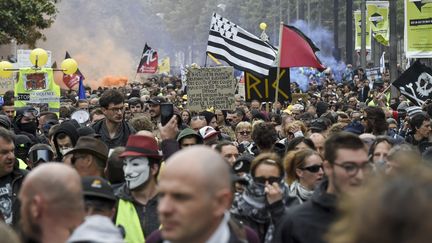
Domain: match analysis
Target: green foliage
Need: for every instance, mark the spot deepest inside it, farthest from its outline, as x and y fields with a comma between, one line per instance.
x=23, y=20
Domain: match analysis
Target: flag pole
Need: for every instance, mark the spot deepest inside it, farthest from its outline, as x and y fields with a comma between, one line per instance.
x=278, y=63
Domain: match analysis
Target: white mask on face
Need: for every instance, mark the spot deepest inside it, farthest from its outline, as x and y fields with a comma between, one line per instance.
x=136, y=171
x=64, y=151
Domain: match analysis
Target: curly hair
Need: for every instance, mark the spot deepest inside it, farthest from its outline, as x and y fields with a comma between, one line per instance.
x=264, y=135
x=111, y=96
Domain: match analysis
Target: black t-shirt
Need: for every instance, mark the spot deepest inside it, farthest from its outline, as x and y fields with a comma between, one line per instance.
x=6, y=198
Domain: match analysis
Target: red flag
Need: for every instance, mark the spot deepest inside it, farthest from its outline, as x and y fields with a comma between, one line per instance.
x=149, y=60
x=72, y=80
x=297, y=50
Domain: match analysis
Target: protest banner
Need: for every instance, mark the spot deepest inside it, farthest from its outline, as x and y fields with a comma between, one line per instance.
x=23, y=59
x=358, y=34
x=263, y=88
x=37, y=88
x=210, y=87
x=378, y=16
x=373, y=74
x=418, y=29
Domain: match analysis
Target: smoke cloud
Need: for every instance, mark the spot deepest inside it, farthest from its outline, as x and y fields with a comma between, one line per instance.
x=323, y=39
x=104, y=38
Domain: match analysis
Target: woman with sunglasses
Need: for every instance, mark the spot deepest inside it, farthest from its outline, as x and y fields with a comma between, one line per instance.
x=304, y=171
x=261, y=204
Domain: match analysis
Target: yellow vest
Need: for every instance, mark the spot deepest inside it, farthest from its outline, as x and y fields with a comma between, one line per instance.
x=21, y=164
x=128, y=218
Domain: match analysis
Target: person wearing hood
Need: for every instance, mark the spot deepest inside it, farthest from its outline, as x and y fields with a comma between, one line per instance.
x=25, y=122
x=188, y=137
x=65, y=139
x=138, y=200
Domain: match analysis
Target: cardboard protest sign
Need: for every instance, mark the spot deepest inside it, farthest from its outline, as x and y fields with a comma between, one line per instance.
x=7, y=84
x=264, y=88
x=210, y=87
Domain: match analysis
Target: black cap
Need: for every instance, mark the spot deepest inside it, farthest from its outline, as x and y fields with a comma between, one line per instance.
x=243, y=163
x=95, y=186
x=156, y=100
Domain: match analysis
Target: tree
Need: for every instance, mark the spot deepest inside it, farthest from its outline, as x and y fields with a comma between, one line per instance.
x=23, y=20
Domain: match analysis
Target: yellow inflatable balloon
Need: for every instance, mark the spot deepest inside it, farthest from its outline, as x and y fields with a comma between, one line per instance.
x=263, y=26
x=4, y=73
x=41, y=55
x=69, y=66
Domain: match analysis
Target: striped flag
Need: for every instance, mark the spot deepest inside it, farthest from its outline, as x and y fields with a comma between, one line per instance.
x=239, y=48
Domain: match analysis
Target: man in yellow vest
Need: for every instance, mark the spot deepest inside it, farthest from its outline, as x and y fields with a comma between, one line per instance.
x=137, y=205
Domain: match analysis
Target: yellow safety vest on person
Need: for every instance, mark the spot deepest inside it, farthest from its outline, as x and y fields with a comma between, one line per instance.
x=21, y=164
x=128, y=218
x=37, y=87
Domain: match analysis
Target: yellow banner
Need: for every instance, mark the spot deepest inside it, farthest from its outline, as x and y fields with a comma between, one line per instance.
x=165, y=66
x=418, y=29
x=378, y=18
x=358, y=34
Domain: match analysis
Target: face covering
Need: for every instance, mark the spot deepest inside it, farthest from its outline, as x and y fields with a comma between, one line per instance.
x=28, y=127
x=136, y=171
x=64, y=151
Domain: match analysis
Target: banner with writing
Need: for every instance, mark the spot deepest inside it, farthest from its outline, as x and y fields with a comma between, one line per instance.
x=210, y=87
x=7, y=84
x=418, y=29
x=263, y=88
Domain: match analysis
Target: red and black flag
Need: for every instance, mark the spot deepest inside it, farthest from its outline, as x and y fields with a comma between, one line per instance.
x=149, y=60
x=297, y=50
x=72, y=80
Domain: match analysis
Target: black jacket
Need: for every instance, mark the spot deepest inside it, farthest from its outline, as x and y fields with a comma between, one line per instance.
x=147, y=214
x=17, y=179
x=310, y=221
x=121, y=137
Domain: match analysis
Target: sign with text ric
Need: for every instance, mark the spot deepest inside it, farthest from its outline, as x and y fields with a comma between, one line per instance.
x=263, y=88
x=210, y=87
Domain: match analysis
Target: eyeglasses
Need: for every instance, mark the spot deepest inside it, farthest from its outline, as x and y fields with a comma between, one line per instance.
x=313, y=168
x=116, y=109
x=198, y=118
x=352, y=168
x=263, y=180
x=245, y=133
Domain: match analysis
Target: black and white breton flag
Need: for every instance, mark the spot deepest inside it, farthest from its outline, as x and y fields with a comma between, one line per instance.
x=416, y=83
x=239, y=48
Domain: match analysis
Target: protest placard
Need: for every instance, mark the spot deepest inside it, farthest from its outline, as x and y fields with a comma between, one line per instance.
x=7, y=84
x=210, y=87
x=264, y=88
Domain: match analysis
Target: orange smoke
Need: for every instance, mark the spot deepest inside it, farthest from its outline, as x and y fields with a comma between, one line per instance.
x=111, y=81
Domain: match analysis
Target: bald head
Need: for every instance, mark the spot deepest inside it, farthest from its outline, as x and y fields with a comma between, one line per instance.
x=202, y=163
x=58, y=184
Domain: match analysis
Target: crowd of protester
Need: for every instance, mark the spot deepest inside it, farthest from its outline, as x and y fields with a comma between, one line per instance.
x=348, y=164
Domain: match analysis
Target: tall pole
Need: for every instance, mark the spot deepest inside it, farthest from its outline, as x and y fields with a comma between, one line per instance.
x=349, y=31
x=308, y=12
x=336, y=28
x=363, y=34
x=393, y=45
x=278, y=63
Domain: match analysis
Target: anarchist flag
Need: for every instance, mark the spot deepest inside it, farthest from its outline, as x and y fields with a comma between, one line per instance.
x=149, y=60
x=72, y=80
x=416, y=83
x=297, y=50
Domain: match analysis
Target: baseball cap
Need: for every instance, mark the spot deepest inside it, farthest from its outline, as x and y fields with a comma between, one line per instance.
x=207, y=132
x=96, y=186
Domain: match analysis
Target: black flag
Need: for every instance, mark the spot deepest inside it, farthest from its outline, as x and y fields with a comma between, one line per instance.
x=416, y=83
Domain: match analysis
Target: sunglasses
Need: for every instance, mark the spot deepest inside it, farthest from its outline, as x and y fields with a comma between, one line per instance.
x=263, y=180
x=313, y=168
x=245, y=133
x=198, y=118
